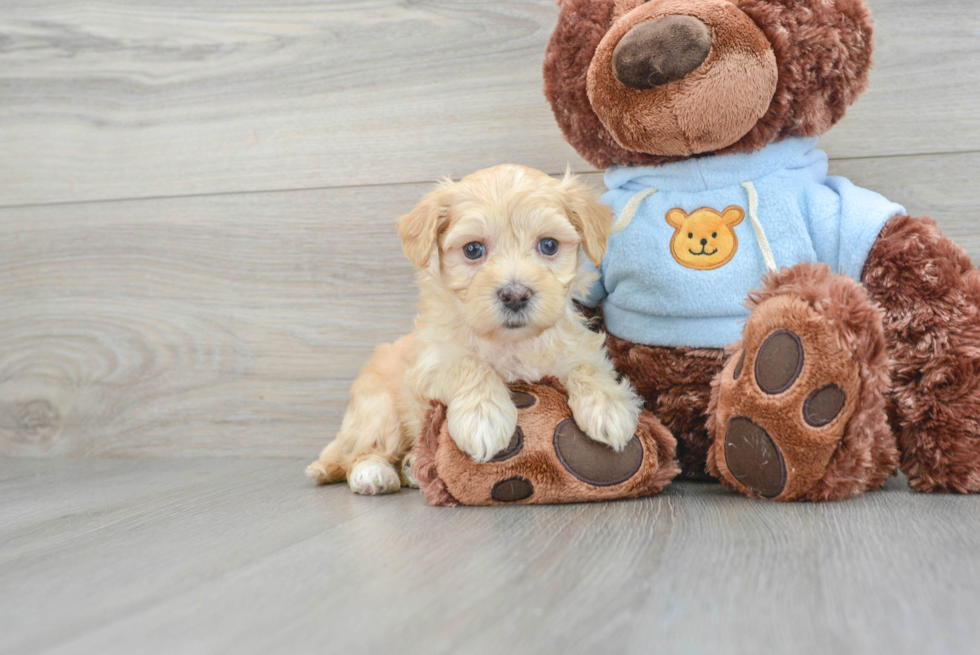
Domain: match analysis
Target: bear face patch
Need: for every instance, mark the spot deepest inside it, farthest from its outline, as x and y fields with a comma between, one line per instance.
x=704, y=239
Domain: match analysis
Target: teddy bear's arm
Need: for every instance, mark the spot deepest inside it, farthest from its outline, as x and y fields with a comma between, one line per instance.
x=930, y=293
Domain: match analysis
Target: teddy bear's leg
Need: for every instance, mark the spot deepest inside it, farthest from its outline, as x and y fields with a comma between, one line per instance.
x=930, y=294
x=798, y=413
x=675, y=384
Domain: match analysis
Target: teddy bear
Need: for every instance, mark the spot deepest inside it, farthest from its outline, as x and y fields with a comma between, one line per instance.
x=800, y=337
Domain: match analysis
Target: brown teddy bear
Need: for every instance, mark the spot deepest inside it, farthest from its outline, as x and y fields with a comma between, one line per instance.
x=861, y=343
x=801, y=337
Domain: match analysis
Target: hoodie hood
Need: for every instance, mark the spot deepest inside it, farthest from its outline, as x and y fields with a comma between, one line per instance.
x=720, y=171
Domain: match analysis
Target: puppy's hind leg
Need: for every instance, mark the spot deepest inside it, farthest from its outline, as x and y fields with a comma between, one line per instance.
x=374, y=435
x=368, y=444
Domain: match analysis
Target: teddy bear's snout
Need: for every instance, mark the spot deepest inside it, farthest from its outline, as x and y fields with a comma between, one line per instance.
x=662, y=50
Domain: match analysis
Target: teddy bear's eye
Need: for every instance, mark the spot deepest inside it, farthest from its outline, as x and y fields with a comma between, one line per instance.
x=690, y=235
x=714, y=235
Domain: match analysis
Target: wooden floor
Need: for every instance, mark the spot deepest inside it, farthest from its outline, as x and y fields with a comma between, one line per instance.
x=197, y=254
x=246, y=556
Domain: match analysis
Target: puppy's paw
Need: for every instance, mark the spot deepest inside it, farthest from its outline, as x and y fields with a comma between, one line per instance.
x=482, y=429
x=373, y=477
x=606, y=412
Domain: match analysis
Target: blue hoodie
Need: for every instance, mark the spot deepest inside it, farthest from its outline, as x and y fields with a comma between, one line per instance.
x=679, y=271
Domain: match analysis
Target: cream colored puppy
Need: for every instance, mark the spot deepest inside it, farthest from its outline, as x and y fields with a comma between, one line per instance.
x=500, y=255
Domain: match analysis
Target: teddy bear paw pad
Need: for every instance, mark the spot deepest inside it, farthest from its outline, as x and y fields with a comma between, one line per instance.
x=593, y=462
x=784, y=401
x=753, y=458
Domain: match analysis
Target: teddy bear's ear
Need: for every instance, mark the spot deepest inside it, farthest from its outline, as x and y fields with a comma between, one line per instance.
x=733, y=216
x=591, y=218
x=824, y=51
x=419, y=227
x=676, y=218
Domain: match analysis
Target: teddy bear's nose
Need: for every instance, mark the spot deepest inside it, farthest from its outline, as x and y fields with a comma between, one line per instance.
x=662, y=50
x=704, y=242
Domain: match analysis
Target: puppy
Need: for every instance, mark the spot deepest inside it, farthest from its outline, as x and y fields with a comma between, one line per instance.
x=500, y=255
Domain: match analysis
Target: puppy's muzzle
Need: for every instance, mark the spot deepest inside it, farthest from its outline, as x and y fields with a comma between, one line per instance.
x=514, y=297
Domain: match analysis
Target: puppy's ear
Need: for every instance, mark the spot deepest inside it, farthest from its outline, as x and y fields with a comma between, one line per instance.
x=591, y=218
x=419, y=227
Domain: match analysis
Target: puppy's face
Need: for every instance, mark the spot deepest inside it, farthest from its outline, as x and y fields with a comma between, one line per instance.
x=507, y=243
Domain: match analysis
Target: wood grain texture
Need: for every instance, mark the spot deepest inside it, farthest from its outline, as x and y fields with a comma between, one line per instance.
x=124, y=99
x=234, y=324
x=206, y=556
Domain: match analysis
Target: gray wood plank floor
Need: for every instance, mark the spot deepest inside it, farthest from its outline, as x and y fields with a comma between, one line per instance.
x=246, y=556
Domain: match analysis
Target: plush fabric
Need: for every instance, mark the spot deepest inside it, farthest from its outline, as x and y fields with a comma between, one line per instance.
x=905, y=345
x=661, y=51
x=548, y=472
x=822, y=51
x=651, y=297
x=715, y=105
x=930, y=293
x=675, y=386
x=843, y=344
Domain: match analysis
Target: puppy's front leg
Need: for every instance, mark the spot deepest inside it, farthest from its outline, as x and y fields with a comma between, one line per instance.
x=604, y=408
x=481, y=416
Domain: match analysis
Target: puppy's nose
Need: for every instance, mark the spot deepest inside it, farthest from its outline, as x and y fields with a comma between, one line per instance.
x=514, y=296
x=704, y=242
x=662, y=50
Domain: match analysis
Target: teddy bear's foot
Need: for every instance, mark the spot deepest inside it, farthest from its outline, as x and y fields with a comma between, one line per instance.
x=548, y=460
x=798, y=413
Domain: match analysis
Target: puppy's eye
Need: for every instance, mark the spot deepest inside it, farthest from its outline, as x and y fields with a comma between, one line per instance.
x=690, y=235
x=474, y=250
x=548, y=246
x=714, y=235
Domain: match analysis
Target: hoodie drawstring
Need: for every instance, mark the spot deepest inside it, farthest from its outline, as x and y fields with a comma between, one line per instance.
x=760, y=234
x=629, y=211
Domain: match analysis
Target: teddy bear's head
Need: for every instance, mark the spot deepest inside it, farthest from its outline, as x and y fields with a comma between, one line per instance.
x=636, y=82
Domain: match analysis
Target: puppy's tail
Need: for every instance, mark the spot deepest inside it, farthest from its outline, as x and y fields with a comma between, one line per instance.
x=329, y=468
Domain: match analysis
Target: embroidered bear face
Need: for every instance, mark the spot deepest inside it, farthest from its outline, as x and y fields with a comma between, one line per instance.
x=704, y=239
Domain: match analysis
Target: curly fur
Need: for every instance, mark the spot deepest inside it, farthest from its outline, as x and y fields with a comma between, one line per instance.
x=930, y=292
x=823, y=51
x=674, y=384
x=424, y=465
